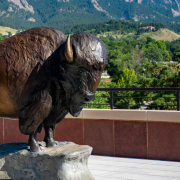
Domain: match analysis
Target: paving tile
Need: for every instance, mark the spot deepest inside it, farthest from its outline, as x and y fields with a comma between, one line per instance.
x=96, y=157
x=113, y=168
x=167, y=163
x=70, y=130
x=161, y=138
x=154, y=172
x=12, y=133
x=104, y=178
x=99, y=135
x=162, y=167
x=131, y=176
x=100, y=173
x=1, y=130
x=116, y=163
x=120, y=159
x=130, y=139
x=106, y=167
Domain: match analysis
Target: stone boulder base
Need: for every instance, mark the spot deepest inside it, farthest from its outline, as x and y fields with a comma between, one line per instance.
x=67, y=161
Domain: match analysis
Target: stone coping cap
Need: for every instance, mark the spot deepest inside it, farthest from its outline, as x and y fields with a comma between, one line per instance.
x=129, y=115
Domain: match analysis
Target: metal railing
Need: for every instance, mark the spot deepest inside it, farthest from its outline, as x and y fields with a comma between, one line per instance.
x=111, y=90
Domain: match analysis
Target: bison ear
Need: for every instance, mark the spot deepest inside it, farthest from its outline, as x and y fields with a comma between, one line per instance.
x=68, y=50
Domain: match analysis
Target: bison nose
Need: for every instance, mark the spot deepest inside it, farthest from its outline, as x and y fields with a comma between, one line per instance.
x=89, y=97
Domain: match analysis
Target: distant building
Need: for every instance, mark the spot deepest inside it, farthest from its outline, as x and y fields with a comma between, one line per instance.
x=148, y=27
x=105, y=74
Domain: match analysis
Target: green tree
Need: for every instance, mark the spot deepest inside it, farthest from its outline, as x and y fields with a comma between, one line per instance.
x=127, y=79
x=1, y=37
x=153, y=53
x=161, y=45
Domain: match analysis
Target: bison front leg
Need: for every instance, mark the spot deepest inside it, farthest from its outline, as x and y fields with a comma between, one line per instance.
x=32, y=116
x=33, y=143
x=49, y=137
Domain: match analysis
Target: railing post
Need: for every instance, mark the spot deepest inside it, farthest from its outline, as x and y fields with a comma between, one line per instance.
x=178, y=100
x=111, y=99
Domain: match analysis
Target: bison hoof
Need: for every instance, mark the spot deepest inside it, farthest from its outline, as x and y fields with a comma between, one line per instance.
x=35, y=148
x=51, y=143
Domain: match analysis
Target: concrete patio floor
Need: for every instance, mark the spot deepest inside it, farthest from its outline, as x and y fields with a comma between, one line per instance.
x=113, y=168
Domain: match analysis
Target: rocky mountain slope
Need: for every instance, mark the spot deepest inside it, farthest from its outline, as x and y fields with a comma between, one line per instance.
x=63, y=14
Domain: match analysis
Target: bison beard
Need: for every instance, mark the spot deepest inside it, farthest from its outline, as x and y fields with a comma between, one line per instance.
x=44, y=76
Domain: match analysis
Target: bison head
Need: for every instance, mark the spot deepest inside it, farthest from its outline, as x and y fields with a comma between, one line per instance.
x=83, y=58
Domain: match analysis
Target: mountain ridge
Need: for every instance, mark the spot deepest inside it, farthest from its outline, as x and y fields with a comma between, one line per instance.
x=63, y=14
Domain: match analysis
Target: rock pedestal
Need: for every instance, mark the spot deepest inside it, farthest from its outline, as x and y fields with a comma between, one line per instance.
x=67, y=161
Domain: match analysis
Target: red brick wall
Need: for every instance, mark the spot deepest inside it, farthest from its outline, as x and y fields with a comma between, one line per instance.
x=9, y=132
x=137, y=139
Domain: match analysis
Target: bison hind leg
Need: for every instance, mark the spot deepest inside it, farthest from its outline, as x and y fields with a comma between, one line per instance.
x=33, y=143
x=50, y=142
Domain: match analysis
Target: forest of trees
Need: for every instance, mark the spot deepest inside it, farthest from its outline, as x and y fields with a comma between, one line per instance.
x=124, y=26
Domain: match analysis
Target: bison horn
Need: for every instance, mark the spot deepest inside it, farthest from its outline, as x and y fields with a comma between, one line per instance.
x=68, y=50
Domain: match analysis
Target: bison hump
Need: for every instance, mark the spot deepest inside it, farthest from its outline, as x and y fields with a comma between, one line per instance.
x=24, y=51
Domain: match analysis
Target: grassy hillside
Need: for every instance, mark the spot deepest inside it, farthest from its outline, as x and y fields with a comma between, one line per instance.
x=6, y=30
x=162, y=34
x=116, y=34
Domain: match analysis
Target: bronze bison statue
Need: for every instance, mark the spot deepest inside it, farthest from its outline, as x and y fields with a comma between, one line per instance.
x=44, y=75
